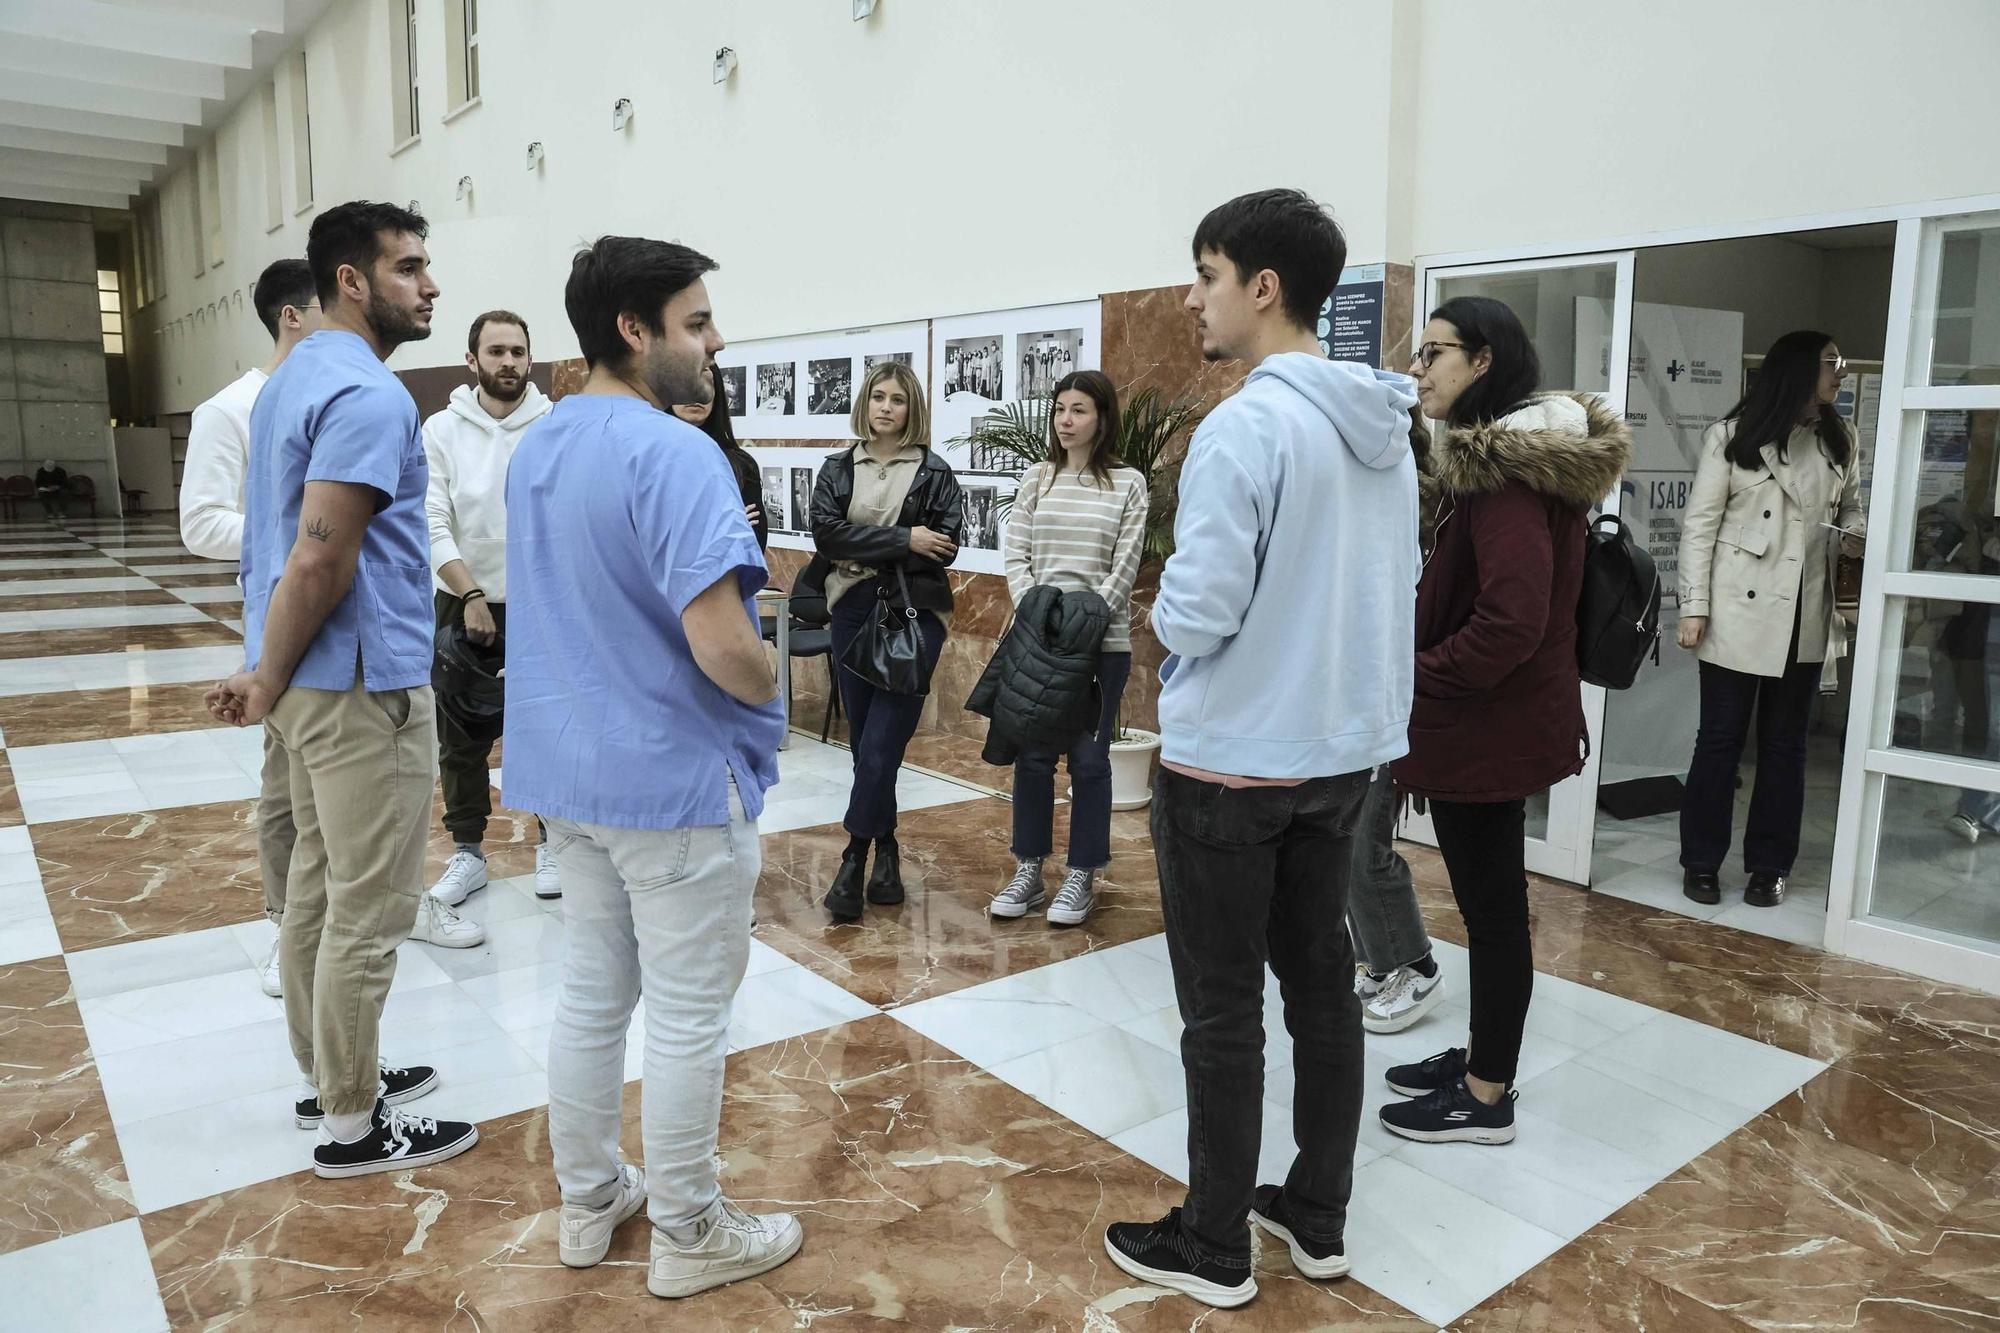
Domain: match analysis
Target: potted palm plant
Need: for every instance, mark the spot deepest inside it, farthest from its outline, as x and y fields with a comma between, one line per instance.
x=1015, y=437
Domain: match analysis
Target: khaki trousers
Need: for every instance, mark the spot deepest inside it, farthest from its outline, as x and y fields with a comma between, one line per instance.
x=362, y=768
x=275, y=831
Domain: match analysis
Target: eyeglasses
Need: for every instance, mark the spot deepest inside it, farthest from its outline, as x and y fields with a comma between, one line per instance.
x=1428, y=353
x=1839, y=363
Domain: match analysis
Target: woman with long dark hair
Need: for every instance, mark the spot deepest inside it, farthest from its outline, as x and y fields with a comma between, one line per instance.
x=1498, y=717
x=713, y=418
x=1079, y=524
x=886, y=517
x=1776, y=484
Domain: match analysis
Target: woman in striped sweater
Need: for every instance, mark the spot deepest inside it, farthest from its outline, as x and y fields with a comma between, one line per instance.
x=1079, y=523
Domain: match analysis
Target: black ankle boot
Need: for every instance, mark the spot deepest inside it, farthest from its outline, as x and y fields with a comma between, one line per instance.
x=843, y=900
x=1703, y=886
x=1764, y=889
x=885, y=886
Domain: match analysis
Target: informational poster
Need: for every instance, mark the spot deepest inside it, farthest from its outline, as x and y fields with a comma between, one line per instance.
x=1350, y=322
x=980, y=362
x=789, y=473
x=803, y=388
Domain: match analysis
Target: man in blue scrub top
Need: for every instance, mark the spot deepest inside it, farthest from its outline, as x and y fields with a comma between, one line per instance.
x=337, y=632
x=643, y=724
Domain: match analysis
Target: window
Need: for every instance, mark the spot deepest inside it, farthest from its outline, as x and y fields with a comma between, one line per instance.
x=302, y=143
x=209, y=170
x=461, y=22
x=109, y=313
x=274, y=194
x=403, y=68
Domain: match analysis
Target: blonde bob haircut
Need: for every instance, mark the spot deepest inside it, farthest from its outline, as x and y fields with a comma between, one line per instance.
x=917, y=427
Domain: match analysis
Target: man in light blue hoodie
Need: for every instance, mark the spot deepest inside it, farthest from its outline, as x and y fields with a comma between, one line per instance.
x=1288, y=610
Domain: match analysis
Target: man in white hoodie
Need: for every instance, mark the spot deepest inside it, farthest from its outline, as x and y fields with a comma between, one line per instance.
x=1288, y=608
x=211, y=505
x=469, y=446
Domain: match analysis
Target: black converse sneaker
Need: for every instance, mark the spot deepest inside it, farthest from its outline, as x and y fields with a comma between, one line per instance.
x=1452, y=1115
x=1320, y=1259
x=1160, y=1253
x=1425, y=1076
x=399, y=1084
x=395, y=1141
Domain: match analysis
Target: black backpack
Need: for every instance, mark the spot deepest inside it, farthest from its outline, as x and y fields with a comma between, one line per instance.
x=1618, y=610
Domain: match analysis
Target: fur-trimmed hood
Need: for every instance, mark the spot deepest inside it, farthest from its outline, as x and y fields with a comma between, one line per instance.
x=1568, y=447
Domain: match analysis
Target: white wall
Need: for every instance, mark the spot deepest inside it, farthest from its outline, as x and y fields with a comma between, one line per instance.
x=947, y=156
x=1550, y=119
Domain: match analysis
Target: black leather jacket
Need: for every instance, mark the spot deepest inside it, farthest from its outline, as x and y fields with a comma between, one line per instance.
x=933, y=502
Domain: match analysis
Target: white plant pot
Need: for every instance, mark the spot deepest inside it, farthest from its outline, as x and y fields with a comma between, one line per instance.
x=1132, y=768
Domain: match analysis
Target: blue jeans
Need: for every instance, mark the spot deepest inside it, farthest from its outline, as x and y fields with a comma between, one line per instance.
x=1089, y=779
x=879, y=724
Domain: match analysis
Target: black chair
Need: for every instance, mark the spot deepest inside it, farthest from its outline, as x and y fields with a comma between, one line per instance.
x=810, y=638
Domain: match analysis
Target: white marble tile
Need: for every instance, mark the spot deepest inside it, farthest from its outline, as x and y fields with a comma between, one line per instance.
x=1431, y=1247
x=1107, y=1081
x=1162, y=1144
x=191, y=565
x=128, y=552
x=84, y=562
x=1556, y=1178
x=1658, y=887
x=142, y=964
x=101, y=671
x=1111, y=985
x=988, y=1029
x=222, y=592
x=515, y=942
x=1638, y=1123
x=67, y=587
x=168, y=1077
x=192, y=1154
x=788, y=1002
x=95, y=617
x=1704, y=1070
x=27, y=930
x=519, y=999
x=91, y=1282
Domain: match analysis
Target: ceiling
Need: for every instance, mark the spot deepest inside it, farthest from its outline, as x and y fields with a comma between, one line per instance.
x=100, y=98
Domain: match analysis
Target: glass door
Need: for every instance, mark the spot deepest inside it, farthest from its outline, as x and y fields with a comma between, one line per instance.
x=1578, y=313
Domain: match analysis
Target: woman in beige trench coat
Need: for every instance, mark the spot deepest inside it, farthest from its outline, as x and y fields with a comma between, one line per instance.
x=1776, y=497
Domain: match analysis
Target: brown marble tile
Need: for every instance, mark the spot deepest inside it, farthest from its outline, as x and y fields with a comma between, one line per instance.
x=940, y=940
x=1584, y=1290
x=117, y=878
x=1935, y=1149
x=60, y=1171
x=10, y=799
x=203, y=579
x=125, y=638
x=1967, y=1252
x=89, y=715
x=75, y=600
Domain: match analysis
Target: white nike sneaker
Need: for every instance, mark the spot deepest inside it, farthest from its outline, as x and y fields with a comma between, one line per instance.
x=585, y=1233
x=439, y=925
x=464, y=875
x=1404, y=998
x=548, y=884
x=269, y=979
x=733, y=1246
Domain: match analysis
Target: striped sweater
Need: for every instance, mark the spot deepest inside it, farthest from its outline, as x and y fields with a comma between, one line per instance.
x=1079, y=535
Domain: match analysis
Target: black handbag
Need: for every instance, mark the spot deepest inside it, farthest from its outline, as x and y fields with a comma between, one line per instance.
x=888, y=653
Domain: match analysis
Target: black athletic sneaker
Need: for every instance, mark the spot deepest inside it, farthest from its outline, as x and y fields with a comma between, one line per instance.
x=1452, y=1115
x=395, y=1142
x=1320, y=1259
x=1425, y=1076
x=1160, y=1253
x=398, y=1085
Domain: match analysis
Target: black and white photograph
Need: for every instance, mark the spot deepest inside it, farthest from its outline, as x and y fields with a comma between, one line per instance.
x=732, y=387
x=869, y=363
x=802, y=499
x=775, y=389
x=982, y=518
x=1045, y=358
x=973, y=365
x=774, y=499
x=830, y=387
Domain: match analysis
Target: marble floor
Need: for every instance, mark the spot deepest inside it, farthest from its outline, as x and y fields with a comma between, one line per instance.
x=1720, y=1130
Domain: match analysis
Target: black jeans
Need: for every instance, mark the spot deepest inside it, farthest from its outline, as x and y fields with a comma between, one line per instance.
x=463, y=768
x=1250, y=877
x=1783, y=705
x=1483, y=850
x=879, y=724
x=1089, y=779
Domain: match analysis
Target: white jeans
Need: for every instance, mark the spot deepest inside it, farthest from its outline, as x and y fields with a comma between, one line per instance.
x=663, y=913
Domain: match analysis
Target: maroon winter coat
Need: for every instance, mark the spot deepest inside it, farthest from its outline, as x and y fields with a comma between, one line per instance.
x=1498, y=714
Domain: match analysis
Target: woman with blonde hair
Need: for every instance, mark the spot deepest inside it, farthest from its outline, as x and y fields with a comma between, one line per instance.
x=887, y=519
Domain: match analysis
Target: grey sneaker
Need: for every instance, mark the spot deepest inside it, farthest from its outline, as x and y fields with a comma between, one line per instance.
x=1023, y=894
x=731, y=1245
x=1074, y=899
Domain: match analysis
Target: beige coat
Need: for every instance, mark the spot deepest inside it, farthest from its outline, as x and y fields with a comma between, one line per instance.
x=1753, y=553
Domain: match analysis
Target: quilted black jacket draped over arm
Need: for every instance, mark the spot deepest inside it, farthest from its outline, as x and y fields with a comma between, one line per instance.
x=1041, y=689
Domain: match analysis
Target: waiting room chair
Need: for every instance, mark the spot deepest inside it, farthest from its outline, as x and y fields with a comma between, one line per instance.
x=811, y=638
x=83, y=488
x=14, y=490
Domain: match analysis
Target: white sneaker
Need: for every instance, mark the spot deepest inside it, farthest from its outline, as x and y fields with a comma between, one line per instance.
x=439, y=925
x=1964, y=828
x=548, y=884
x=1366, y=987
x=464, y=875
x=733, y=1246
x=1404, y=998
x=273, y=985
x=585, y=1235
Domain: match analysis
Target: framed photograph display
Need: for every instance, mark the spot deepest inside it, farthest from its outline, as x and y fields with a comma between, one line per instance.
x=803, y=388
